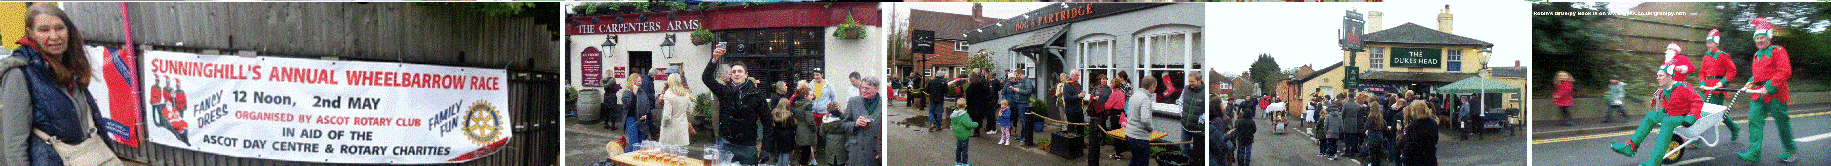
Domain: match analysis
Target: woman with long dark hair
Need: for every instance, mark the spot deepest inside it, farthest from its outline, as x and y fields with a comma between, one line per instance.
x=47, y=116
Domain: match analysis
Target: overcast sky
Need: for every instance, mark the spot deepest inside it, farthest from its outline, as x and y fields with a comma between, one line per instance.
x=1305, y=33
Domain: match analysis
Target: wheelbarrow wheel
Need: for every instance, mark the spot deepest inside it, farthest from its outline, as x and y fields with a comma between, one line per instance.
x=1674, y=145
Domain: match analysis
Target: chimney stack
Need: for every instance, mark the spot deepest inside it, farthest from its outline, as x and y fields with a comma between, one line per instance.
x=1373, y=21
x=1445, y=20
x=979, y=15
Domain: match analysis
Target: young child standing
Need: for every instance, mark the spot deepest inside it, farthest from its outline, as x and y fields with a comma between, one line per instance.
x=1004, y=122
x=963, y=126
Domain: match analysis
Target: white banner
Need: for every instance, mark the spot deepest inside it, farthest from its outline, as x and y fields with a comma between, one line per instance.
x=324, y=111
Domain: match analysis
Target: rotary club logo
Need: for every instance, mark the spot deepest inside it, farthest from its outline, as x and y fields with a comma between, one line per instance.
x=481, y=123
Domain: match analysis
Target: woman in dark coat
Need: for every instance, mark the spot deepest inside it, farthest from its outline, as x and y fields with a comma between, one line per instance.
x=806, y=133
x=1418, y=136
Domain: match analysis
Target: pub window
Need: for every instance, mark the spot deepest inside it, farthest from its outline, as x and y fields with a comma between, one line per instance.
x=1096, y=59
x=1167, y=55
x=1455, y=59
x=774, y=41
x=1376, y=58
x=960, y=46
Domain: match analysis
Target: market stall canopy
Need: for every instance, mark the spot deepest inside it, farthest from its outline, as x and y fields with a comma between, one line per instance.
x=1477, y=85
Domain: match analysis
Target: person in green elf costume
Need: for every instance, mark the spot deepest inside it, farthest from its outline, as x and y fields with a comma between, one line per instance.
x=1771, y=69
x=1717, y=69
x=1678, y=105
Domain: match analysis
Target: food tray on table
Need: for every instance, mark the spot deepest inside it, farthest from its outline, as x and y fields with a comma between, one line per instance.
x=655, y=158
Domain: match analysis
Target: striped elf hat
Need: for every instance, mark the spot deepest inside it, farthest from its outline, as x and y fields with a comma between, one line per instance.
x=1713, y=37
x=1762, y=26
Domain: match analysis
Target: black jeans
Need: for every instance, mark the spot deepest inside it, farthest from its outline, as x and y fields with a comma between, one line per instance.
x=1351, y=144
x=1327, y=146
x=1074, y=116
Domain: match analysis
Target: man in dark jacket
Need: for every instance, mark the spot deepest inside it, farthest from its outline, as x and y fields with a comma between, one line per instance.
x=937, y=95
x=740, y=106
x=1072, y=98
x=1193, y=105
x=1353, y=115
x=1018, y=93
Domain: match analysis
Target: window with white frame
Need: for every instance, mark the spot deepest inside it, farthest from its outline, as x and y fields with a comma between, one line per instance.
x=1376, y=59
x=1096, y=59
x=1455, y=60
x=960, y=46
x=1167, y=54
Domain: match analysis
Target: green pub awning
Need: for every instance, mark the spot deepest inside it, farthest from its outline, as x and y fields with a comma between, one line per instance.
x=1477, y=85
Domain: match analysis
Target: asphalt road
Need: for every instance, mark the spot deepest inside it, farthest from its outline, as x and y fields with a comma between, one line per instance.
x=908, y=139
x=1296, y=148
x=1593, y=149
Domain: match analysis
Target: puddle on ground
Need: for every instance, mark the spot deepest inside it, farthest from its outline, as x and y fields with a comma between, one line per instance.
x=918, y=121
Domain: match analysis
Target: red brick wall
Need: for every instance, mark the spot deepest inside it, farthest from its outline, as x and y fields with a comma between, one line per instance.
x=944, y=55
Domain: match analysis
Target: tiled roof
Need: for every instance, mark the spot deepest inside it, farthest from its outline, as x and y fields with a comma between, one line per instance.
x=1414, y=34
x=1515, y=72
x=1042, y=38
x=946, y=25
x=1313, y=75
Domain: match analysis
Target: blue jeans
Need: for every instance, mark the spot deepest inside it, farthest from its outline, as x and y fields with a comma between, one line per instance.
x=746, y=155
x=936, y=115
x=632, y=131
x=785, y=159
x=1244, y=156
x=1141, y=151
x=960, y=151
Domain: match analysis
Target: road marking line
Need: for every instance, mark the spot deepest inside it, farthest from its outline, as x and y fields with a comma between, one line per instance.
x=1813, y=138
x=1574, y=138
x=1694, y=161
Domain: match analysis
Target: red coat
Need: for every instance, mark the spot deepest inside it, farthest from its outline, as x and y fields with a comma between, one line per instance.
x=1265, y=101
x=1680, y=100
x=1772, y=68
x=1716, y=64
x=1563, y=94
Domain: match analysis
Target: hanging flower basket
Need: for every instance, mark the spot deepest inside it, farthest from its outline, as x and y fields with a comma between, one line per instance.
x=850, y=30
x=702, y=37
